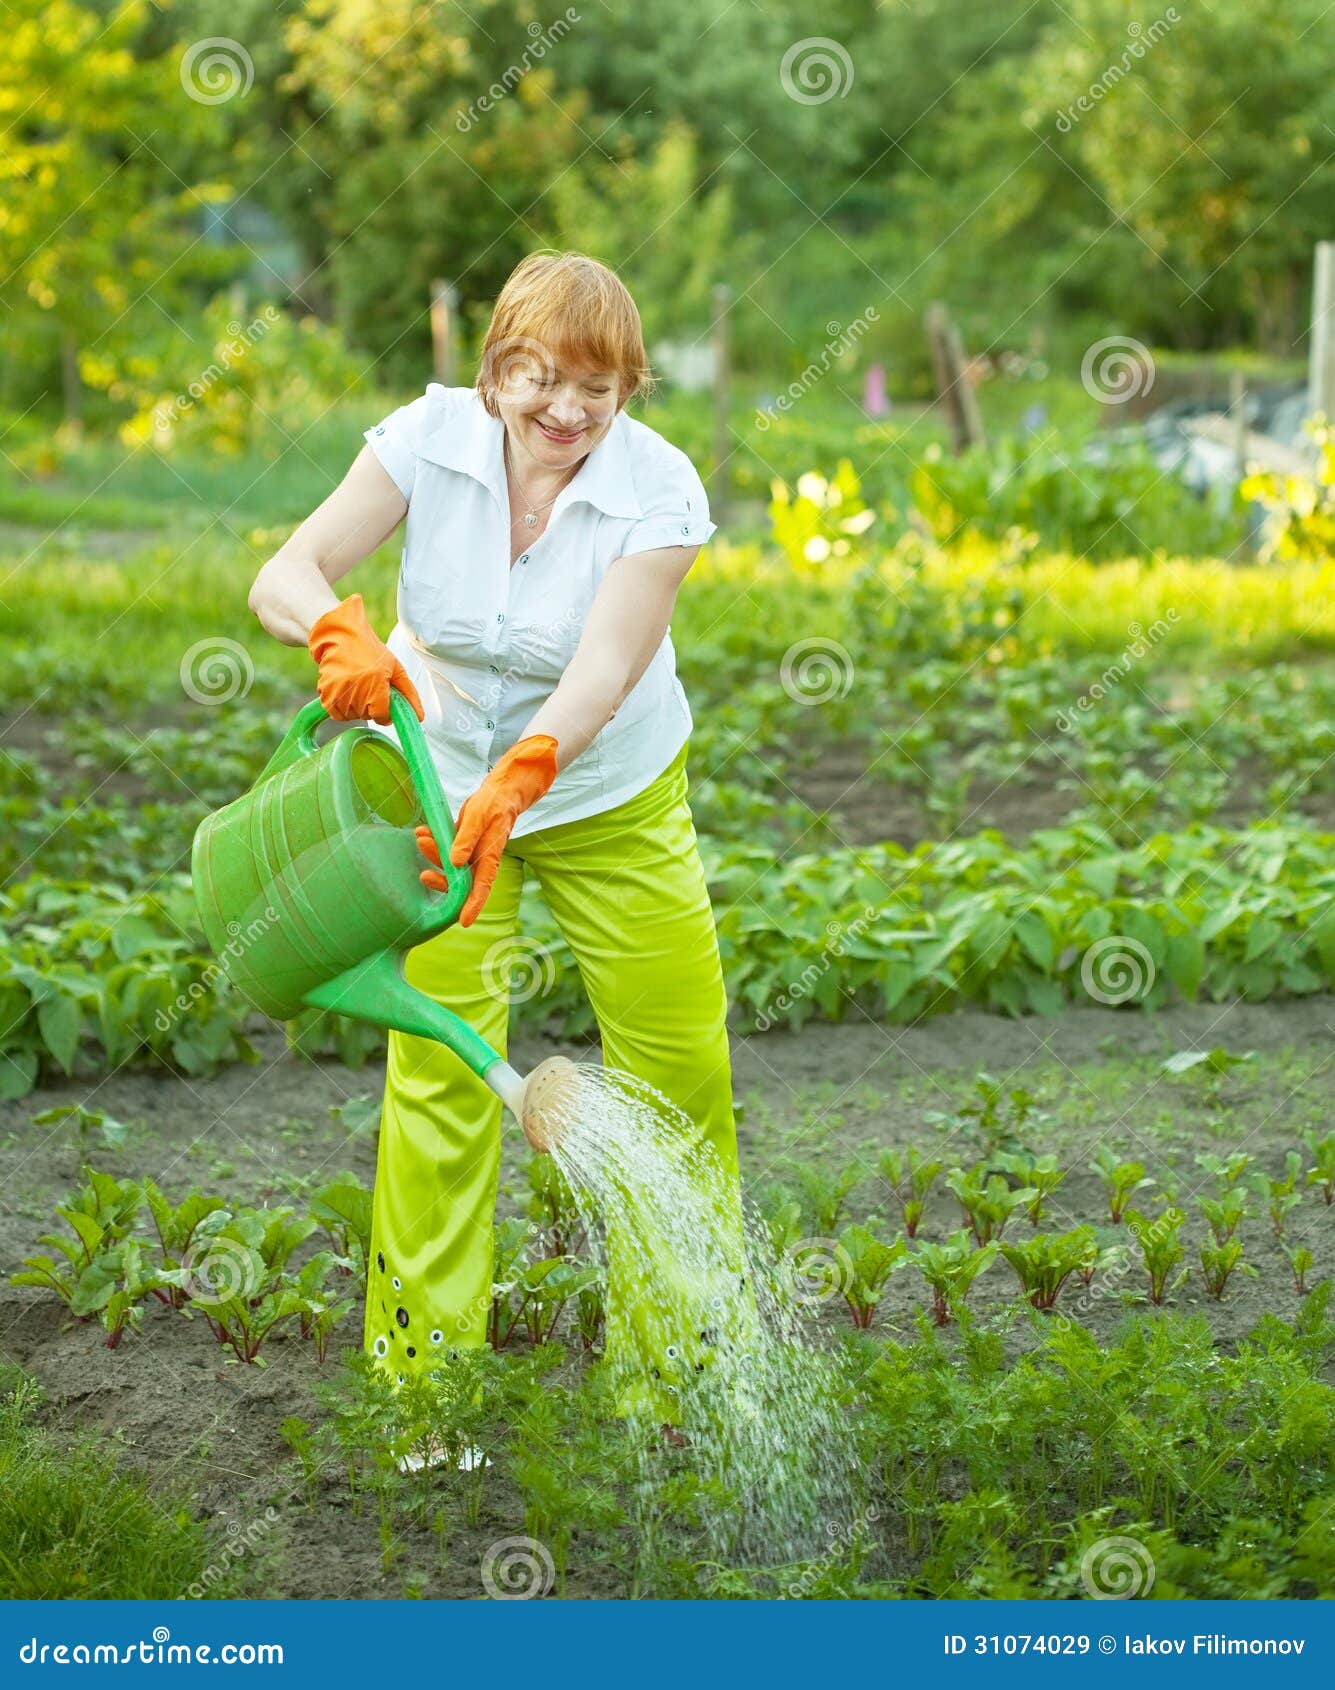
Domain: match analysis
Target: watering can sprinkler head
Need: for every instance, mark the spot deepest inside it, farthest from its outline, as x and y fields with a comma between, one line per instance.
x=549, y=1102
x=543, y=1102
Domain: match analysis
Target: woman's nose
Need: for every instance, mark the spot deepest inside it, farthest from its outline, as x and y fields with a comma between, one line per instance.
x=568, y=409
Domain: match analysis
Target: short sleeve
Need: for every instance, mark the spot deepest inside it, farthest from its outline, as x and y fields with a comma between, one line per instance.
x=394, y=442
x=676, y=510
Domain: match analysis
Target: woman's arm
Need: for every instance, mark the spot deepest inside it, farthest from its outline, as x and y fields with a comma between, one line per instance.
x=294, y=588
x=625, y=627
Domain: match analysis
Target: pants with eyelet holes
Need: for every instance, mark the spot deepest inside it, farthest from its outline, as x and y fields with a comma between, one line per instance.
x=627, y=889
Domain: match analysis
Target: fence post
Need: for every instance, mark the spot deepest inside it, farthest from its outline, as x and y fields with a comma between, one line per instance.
x=1237, y=408
x=70, y=381
x=1321, y=342
x=954, y=393
x=444, y=304
x=718, y=481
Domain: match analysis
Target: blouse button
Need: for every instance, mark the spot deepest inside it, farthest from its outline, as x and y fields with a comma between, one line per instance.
x=491, y=724
x=493, y=668
x=686, y=529
x=500, y=616
x=523, y=559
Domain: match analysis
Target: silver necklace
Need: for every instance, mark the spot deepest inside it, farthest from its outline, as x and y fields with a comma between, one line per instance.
x=531, y=515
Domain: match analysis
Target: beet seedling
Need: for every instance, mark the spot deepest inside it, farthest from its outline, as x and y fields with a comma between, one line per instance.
x=343, y=1209
x=509, y=1258
x=1219, y=1262
x=1322, y=1173
x=318, y=1313
x=1160, y=1248
x=1039, y=1174
x=181, y=1228
x=1300, y=1260
x=244, y=1323
x=88, y=1121
x=100, y=1216
x=236, y=1278
x=552, y=1205
x=870, y=1264
x=115, y=1286
x=282, y=1231
x=950, y=1269
x=1226, y=1170
x=1122, y=1179
x=1225, y=1214
x=987, y=1202
x=545, y=1288
x=1045, y=1262
x=910, y=1178
x=590, y=1314
x=1281, y=1195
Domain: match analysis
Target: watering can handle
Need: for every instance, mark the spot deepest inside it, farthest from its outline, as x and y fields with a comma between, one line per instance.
x=299, y=741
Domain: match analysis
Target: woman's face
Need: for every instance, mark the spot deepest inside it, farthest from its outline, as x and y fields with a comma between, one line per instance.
x=557, y=414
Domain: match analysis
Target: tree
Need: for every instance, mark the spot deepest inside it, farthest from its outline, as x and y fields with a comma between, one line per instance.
x=97, y=229
x=646, y=218
x=1216, y=146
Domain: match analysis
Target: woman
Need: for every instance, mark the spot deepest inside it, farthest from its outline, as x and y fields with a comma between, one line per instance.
x=547, y=535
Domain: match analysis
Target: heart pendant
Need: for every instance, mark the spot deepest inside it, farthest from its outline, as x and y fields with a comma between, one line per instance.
x=531, y=519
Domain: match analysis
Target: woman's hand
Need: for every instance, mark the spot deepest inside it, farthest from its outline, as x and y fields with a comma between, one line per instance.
x=357, y=669
x=487, y=818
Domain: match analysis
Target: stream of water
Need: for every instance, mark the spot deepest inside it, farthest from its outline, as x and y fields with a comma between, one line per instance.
x=704, y=1328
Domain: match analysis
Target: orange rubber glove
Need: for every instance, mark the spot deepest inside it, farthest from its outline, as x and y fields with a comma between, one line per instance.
x=356, y=669
x=519, y=779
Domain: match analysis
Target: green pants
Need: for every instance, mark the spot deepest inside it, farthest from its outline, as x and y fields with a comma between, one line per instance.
x=627, y=889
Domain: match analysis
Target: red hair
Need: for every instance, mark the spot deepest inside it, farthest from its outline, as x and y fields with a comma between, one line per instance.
x=563, y=308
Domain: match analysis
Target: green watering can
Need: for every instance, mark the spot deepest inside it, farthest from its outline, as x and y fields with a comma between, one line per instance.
x=308, y=891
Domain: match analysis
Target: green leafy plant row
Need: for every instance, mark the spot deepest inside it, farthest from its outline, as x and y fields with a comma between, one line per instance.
x=91, y=977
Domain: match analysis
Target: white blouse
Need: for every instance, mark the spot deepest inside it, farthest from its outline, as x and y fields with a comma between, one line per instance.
x=485, y=642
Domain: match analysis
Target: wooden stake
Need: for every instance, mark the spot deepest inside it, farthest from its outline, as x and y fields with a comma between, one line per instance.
x=444, y=305
x=70, y=380
x=1321, y=342
x=955, y=395
x=1237, y=410
x=718, y=481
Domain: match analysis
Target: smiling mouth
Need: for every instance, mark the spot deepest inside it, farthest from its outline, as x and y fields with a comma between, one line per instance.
x=553, y=434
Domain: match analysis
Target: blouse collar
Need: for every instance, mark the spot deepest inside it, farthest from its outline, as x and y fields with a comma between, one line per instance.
x=478, y=449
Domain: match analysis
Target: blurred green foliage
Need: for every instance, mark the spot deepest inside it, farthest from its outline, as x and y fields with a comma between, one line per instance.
x=1056, y=171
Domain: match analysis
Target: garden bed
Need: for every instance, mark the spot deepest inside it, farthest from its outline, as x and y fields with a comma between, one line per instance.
x=835, y=1097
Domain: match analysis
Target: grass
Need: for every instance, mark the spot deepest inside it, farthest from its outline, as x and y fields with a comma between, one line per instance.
x=72, y=1524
